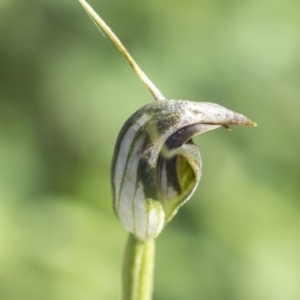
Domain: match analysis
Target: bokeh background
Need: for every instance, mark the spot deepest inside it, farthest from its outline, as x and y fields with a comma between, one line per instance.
x=65, y=93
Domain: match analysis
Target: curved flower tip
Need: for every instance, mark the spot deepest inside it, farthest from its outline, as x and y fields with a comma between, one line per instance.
x=156, y=166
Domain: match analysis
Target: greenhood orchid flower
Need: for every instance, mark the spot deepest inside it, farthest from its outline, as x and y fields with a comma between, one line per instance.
x=156, y=166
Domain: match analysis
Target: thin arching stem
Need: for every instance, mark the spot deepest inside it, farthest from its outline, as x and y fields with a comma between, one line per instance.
x=102, y=25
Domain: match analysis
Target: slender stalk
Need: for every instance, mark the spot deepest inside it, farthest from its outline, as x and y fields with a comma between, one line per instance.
x=102, y=25
x=138, y=266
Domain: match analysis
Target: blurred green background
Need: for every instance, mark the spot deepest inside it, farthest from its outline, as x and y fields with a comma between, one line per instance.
x=65, y=93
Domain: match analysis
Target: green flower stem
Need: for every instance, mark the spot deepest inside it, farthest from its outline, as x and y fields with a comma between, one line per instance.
x=103, y=26
x=138, y=266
